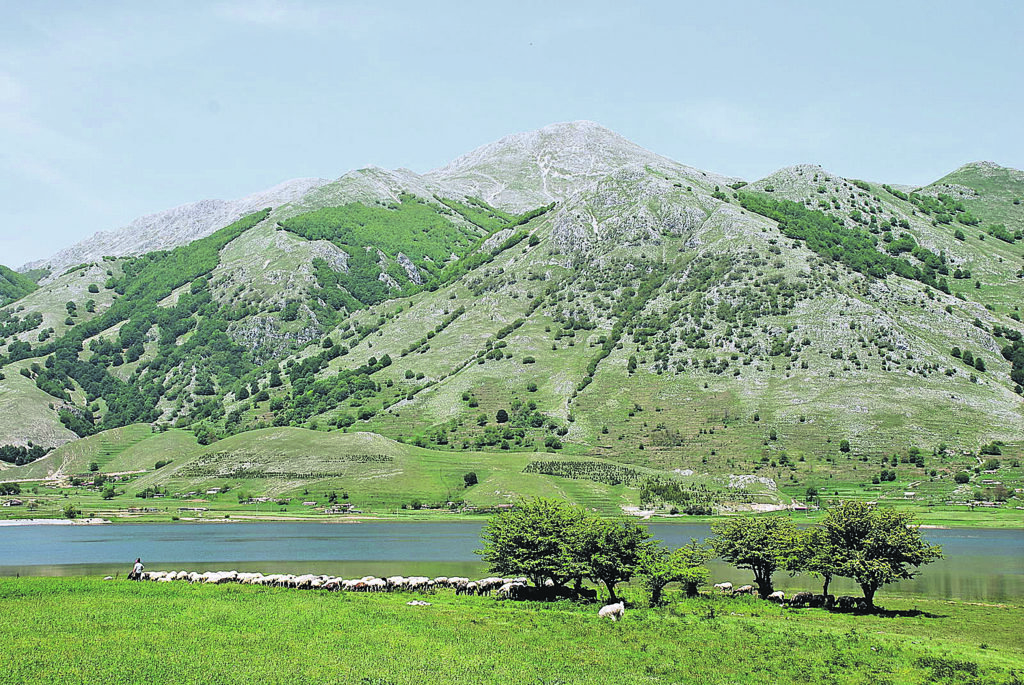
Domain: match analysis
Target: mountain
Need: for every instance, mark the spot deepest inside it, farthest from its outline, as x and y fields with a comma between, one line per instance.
x=172, y=227
x=667, y=331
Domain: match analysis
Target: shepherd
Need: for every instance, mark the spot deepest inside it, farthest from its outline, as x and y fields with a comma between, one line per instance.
x=136, y=573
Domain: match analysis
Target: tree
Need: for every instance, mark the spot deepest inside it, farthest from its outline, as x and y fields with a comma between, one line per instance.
x=611, y=551
x=811, y=494
x=814, y=555
x=205, y=435
x=538, y=539
x=470, y=479
x=70, y=512
x=874, y=547
x=108, y=491
x=763, y=545
x=501, y=416
x=660, y=566
x=844, y=445
x=94, y=466
x=962, y=477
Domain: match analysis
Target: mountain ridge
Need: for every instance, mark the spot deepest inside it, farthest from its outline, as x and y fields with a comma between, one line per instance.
x=643, y=313
x=170, y=227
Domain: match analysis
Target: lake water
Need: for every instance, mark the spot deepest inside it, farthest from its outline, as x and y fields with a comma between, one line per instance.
x=979, y=565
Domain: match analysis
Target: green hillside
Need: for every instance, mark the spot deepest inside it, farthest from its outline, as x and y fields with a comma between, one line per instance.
x=14, y=286
x=807, y=329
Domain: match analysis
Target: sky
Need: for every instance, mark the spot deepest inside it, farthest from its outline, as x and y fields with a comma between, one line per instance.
x=109, y=111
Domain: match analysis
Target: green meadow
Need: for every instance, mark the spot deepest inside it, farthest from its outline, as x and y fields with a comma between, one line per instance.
x=87, y=630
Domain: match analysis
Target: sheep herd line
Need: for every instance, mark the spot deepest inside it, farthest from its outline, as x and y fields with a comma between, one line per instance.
x=511, y=588
x=800, y=599
x=504, y=588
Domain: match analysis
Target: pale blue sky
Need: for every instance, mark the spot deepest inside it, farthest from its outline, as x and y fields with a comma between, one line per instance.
x=113, y=110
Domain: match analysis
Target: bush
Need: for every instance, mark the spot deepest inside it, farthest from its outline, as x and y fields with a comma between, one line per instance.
x=962, y=477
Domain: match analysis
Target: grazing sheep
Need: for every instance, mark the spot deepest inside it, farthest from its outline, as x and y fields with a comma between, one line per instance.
x=801, y=599
x=823, y=601
x=847, y=602
x=724, y=587
x=109, y=578
x=613, y=611
x=778, y=597
x=745, y=590
x=512, y=590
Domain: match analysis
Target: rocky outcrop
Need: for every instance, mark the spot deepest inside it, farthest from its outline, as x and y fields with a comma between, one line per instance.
x=414, y=273
x=267, y=338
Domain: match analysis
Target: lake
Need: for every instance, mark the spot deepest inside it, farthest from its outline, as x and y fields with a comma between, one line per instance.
x=980, y=564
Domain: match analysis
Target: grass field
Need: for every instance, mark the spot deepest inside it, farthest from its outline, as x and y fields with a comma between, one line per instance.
x=85, y=630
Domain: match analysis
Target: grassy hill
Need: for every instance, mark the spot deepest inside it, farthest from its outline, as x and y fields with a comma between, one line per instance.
x=13, y=285
x=655, y=316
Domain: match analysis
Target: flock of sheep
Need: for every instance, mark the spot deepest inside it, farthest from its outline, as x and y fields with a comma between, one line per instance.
x=511, y=588
x=506, y=588
x=800, y=599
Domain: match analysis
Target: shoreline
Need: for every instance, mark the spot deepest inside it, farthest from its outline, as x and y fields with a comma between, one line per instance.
x=243, y=516
x=54, y=522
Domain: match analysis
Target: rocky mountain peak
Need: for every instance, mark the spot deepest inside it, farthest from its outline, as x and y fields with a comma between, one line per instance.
x=526, y=169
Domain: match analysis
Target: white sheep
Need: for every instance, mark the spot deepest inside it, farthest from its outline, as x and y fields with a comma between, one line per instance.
x=778, y=597
x=613, y=611
x=724, y=587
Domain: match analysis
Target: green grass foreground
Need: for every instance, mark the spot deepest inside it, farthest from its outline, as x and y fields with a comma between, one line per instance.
x=90, y=631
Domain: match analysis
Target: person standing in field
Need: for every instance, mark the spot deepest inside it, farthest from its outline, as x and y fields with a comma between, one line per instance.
x=136, y=573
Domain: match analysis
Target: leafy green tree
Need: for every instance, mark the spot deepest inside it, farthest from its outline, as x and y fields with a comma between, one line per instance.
x=814, y=554
x=71, y=512
x=611, y=550
x=844, y=445
x=538, y=539
x=874, y=547
x=763, y=545
x=659, y=567
x=501, y=416
x=205, y=435
x=470, y=479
